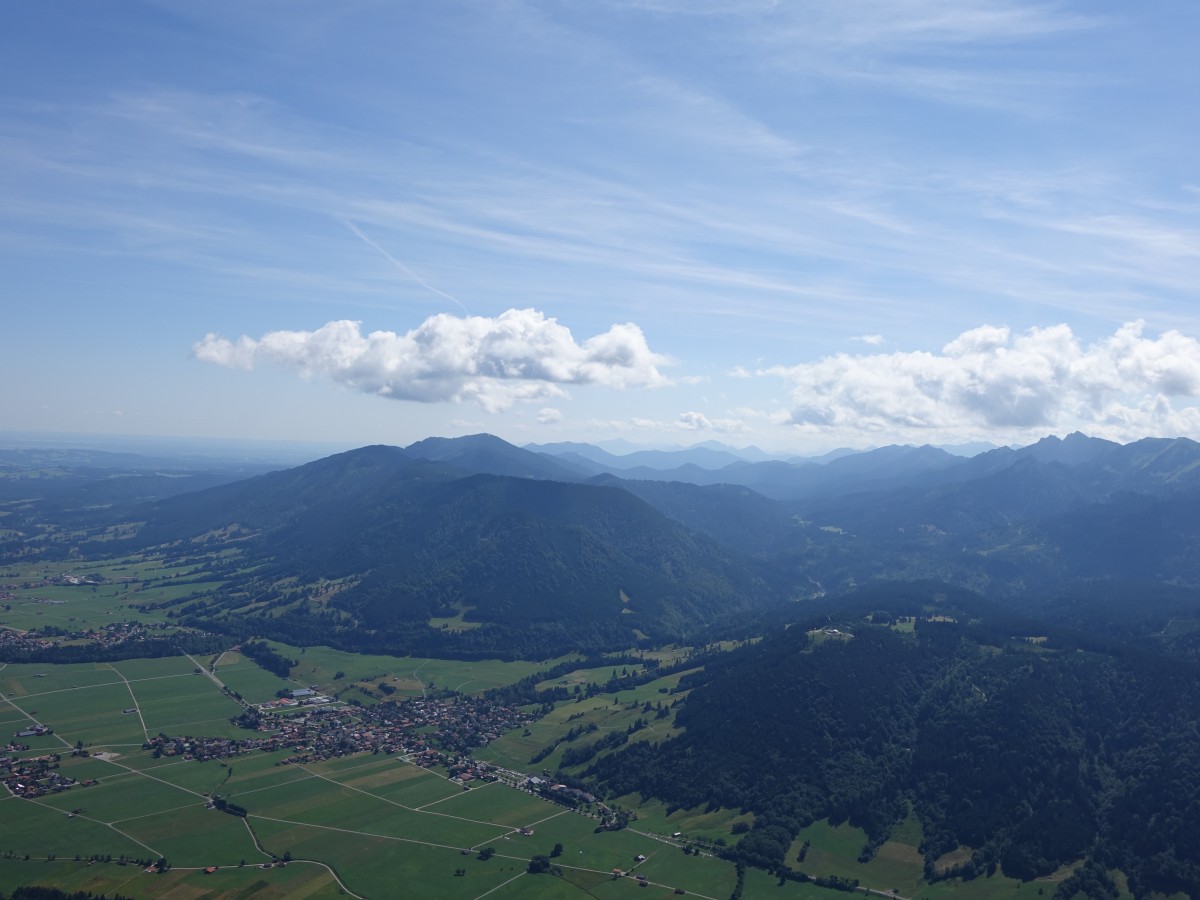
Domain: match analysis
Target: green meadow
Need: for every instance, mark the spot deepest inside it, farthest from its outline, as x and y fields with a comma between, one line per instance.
x=410, y=676
x=371, y=820
x=126, y=588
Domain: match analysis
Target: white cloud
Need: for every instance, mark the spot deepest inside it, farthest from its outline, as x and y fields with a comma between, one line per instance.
x=695, y=421
x=988, y=380
x=519, y=355
x=875, y=340
x=548, y=415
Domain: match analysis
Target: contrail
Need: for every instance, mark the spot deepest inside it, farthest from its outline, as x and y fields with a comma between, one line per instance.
x=401, y=266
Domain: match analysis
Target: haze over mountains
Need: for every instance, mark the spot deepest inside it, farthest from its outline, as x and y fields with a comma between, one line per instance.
x=1003, y=645
x=568, y=545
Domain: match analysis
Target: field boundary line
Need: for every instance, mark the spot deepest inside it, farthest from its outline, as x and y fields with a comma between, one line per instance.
x=212, y=676
x=333, y=873
x=86, y=687
x=502, y=884
x=132, y=696
x=88, y=818
x=197, y=722
x=144, y=774
x=450, y=797
x=457, y=848
x=55, y=734
x=401, y=805
x=561, y=812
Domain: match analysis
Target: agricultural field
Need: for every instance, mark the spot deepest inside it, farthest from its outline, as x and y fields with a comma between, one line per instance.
x=336, y=671
x=370, y=824
x=78, y=595
x=371, y=820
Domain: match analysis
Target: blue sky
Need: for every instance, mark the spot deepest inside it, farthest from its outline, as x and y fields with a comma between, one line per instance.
x=800, y=225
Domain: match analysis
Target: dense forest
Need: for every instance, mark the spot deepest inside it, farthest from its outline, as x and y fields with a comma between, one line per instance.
x=1032, y=754
x=1054, y=722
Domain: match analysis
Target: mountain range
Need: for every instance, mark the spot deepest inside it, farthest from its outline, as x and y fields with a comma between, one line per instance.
x=472, y=544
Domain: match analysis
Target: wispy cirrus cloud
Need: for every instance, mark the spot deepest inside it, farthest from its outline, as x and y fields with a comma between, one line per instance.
x=519, y=355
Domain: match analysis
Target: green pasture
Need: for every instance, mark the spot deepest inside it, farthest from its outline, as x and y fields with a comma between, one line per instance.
x=696, y=823
x=515, y=749
x=495, y=802
x=415, y=788
x=899, y=865
x=386, y=866
x=148, y=669
x=121, y=796
x=319, y=665
x=257, y=771
x=92, y=715
x=584, y=677
x=42, y=830
x=196, y=833
x=379, y=820
x=299, y=880
x=325, y=803
x=128, y=583
x=19, y=680
x=388, y=778
x=666, y=864
x=188, y=774
x=199, y=714
x=86, y=701
x=244, y=676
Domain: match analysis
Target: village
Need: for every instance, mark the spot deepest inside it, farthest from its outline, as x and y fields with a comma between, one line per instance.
x=35, y=776
x=428, y=732
x=434, y=731
x=41, y=644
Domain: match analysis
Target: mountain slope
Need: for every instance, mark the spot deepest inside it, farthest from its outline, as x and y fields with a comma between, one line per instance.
x=408, y=540
x=488, y=454
x=1032, y=755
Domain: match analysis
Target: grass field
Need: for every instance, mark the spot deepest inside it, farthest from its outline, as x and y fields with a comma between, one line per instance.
x=377, y=821
x=898, y=865
x=410, y=676
x=298, y=880
x=88, y=701
x=127, y=585
x=244, y=676
x=374, y=821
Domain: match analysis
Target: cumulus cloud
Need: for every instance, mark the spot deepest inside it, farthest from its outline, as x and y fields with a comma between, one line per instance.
x=519, y=355
x=548, y=415
x=695, y=421
x=991, y=380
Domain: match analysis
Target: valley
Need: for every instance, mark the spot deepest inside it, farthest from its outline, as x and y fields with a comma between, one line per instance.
x=376, y=669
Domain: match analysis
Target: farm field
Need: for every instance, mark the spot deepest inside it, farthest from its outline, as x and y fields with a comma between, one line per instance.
x=410, y=676
x=125, y=587
x=365, y=823
x=303, y=881
x=373, y=819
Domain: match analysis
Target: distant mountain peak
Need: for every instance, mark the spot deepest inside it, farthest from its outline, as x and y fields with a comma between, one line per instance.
x=488, y=454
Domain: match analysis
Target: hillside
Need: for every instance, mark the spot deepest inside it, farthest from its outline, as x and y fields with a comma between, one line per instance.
x=1032, y=755
x=527, y=565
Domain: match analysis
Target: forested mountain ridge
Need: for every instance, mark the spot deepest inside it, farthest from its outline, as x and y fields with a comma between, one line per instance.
x=1051, y=722
x=389, y=541
x=1034, y=750
x=408, y=536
